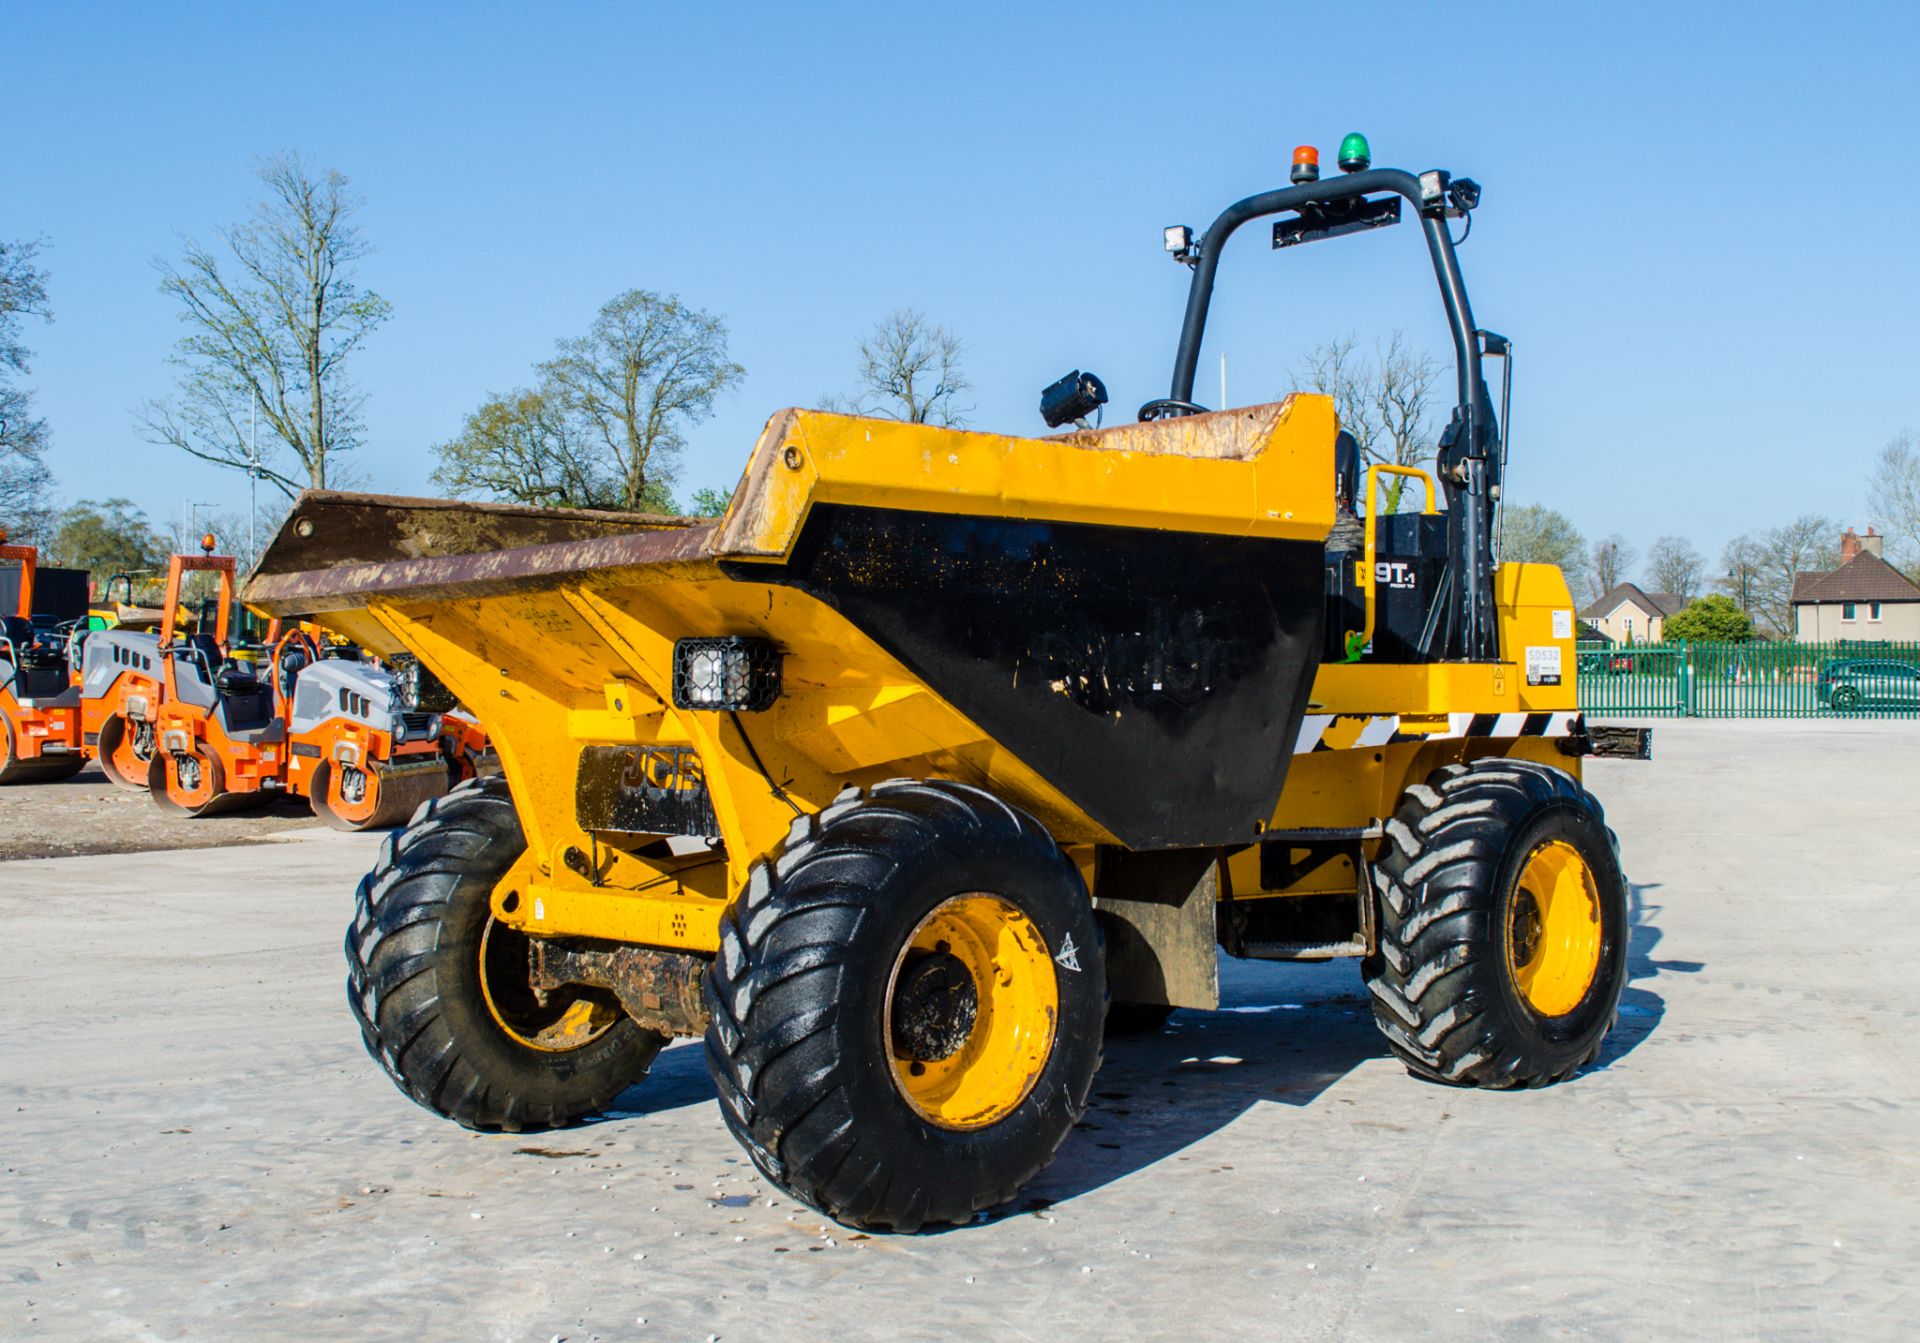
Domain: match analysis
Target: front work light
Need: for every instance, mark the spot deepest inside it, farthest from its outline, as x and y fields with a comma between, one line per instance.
x=1072, y=399
x=1356, y=155
x=1179, y=241
x=1306, y=164
x=736, y=672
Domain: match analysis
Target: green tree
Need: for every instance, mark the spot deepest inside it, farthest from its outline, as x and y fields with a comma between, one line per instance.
x=106, y=538
x=1712, y=617
x=709, y=503
x=1535, y=534
x=275, y=328
x=608, y=417
x=525, y=447
x=25, y=483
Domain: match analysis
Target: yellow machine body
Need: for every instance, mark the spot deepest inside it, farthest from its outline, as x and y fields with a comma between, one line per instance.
x=558, y=631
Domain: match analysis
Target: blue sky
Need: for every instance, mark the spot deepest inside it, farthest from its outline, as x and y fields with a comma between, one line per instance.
x=1693, y=227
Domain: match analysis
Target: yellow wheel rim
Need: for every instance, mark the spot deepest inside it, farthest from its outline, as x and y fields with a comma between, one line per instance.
x=568, y=1020
x=971, y=1069
x=1553, y=929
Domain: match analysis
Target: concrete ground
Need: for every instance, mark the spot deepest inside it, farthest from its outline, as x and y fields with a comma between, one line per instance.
x=195, y=1146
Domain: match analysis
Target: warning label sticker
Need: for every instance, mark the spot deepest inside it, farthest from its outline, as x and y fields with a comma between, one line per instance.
x=1543, y=664
x=1563, y=624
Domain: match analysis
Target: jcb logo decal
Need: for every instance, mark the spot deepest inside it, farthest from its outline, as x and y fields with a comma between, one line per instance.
x=670, y=769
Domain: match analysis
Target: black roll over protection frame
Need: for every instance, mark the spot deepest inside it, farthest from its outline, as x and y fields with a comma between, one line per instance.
x=1471, y=452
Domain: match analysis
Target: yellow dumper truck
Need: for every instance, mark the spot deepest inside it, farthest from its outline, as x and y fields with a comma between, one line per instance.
x=940, y=745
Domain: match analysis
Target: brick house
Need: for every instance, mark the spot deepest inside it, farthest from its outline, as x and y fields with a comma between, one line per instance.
x=1865, y=600
x=1627, y=615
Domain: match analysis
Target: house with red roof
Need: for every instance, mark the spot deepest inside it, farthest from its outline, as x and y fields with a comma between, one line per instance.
x=1865, y=600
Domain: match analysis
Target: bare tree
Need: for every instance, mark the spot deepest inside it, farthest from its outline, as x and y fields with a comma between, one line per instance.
x=1893, y=499
x=1613, y=561
x=1385, y=402
x=232, y=535
x=278, y=324
x=1673, y=565
x=649, y=368
x=1742, y=558
x=1808, y=544
x=910, y=369
x=25, y=482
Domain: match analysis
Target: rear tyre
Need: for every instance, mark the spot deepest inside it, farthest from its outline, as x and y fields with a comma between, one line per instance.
x=442, y=993
x=40, y=769
x=1503, y=927
x=906, y=1007
x=1846, y=699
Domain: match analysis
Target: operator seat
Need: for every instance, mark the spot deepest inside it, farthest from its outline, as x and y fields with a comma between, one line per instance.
x=208, y=649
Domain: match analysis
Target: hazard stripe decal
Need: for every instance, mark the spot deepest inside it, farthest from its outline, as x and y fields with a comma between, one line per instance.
x=1333, y=732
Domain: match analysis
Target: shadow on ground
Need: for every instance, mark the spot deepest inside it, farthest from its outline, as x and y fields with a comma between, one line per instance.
x=1641, y=1006
x=1284, y=1035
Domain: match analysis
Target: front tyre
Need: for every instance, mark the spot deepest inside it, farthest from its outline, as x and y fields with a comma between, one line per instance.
x=1503, y=926
x=907, y=1005
x=442, y=991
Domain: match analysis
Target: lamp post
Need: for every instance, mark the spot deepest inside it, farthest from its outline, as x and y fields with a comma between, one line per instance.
x=253, y=479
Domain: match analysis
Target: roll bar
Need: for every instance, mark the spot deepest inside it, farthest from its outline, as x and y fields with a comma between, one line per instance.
x=1469, y=469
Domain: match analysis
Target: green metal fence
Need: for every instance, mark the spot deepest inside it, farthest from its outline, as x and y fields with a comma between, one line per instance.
x=1750, y=680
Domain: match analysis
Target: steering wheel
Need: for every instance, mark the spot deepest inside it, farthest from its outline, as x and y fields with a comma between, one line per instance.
x=1166, y=408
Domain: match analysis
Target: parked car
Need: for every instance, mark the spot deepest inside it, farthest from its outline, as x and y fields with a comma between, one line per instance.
x=1882, y=683
x=1604, y=662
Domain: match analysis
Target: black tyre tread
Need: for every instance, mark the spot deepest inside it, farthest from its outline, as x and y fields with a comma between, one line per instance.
x=772, y=1059
x=1446, y=842
x=390, y=946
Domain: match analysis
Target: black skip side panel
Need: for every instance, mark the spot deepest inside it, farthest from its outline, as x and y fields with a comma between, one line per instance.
x=1156, y=678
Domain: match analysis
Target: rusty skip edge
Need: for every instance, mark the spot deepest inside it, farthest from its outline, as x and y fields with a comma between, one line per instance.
x=345, y=586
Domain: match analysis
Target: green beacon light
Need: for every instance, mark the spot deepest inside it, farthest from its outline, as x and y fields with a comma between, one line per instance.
x=1356, y=155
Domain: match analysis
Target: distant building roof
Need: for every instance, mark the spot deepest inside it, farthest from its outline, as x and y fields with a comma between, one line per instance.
x=1653, y=603
x=1864, y=578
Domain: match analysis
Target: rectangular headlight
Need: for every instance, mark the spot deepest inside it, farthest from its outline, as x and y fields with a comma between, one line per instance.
x=735, y=672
